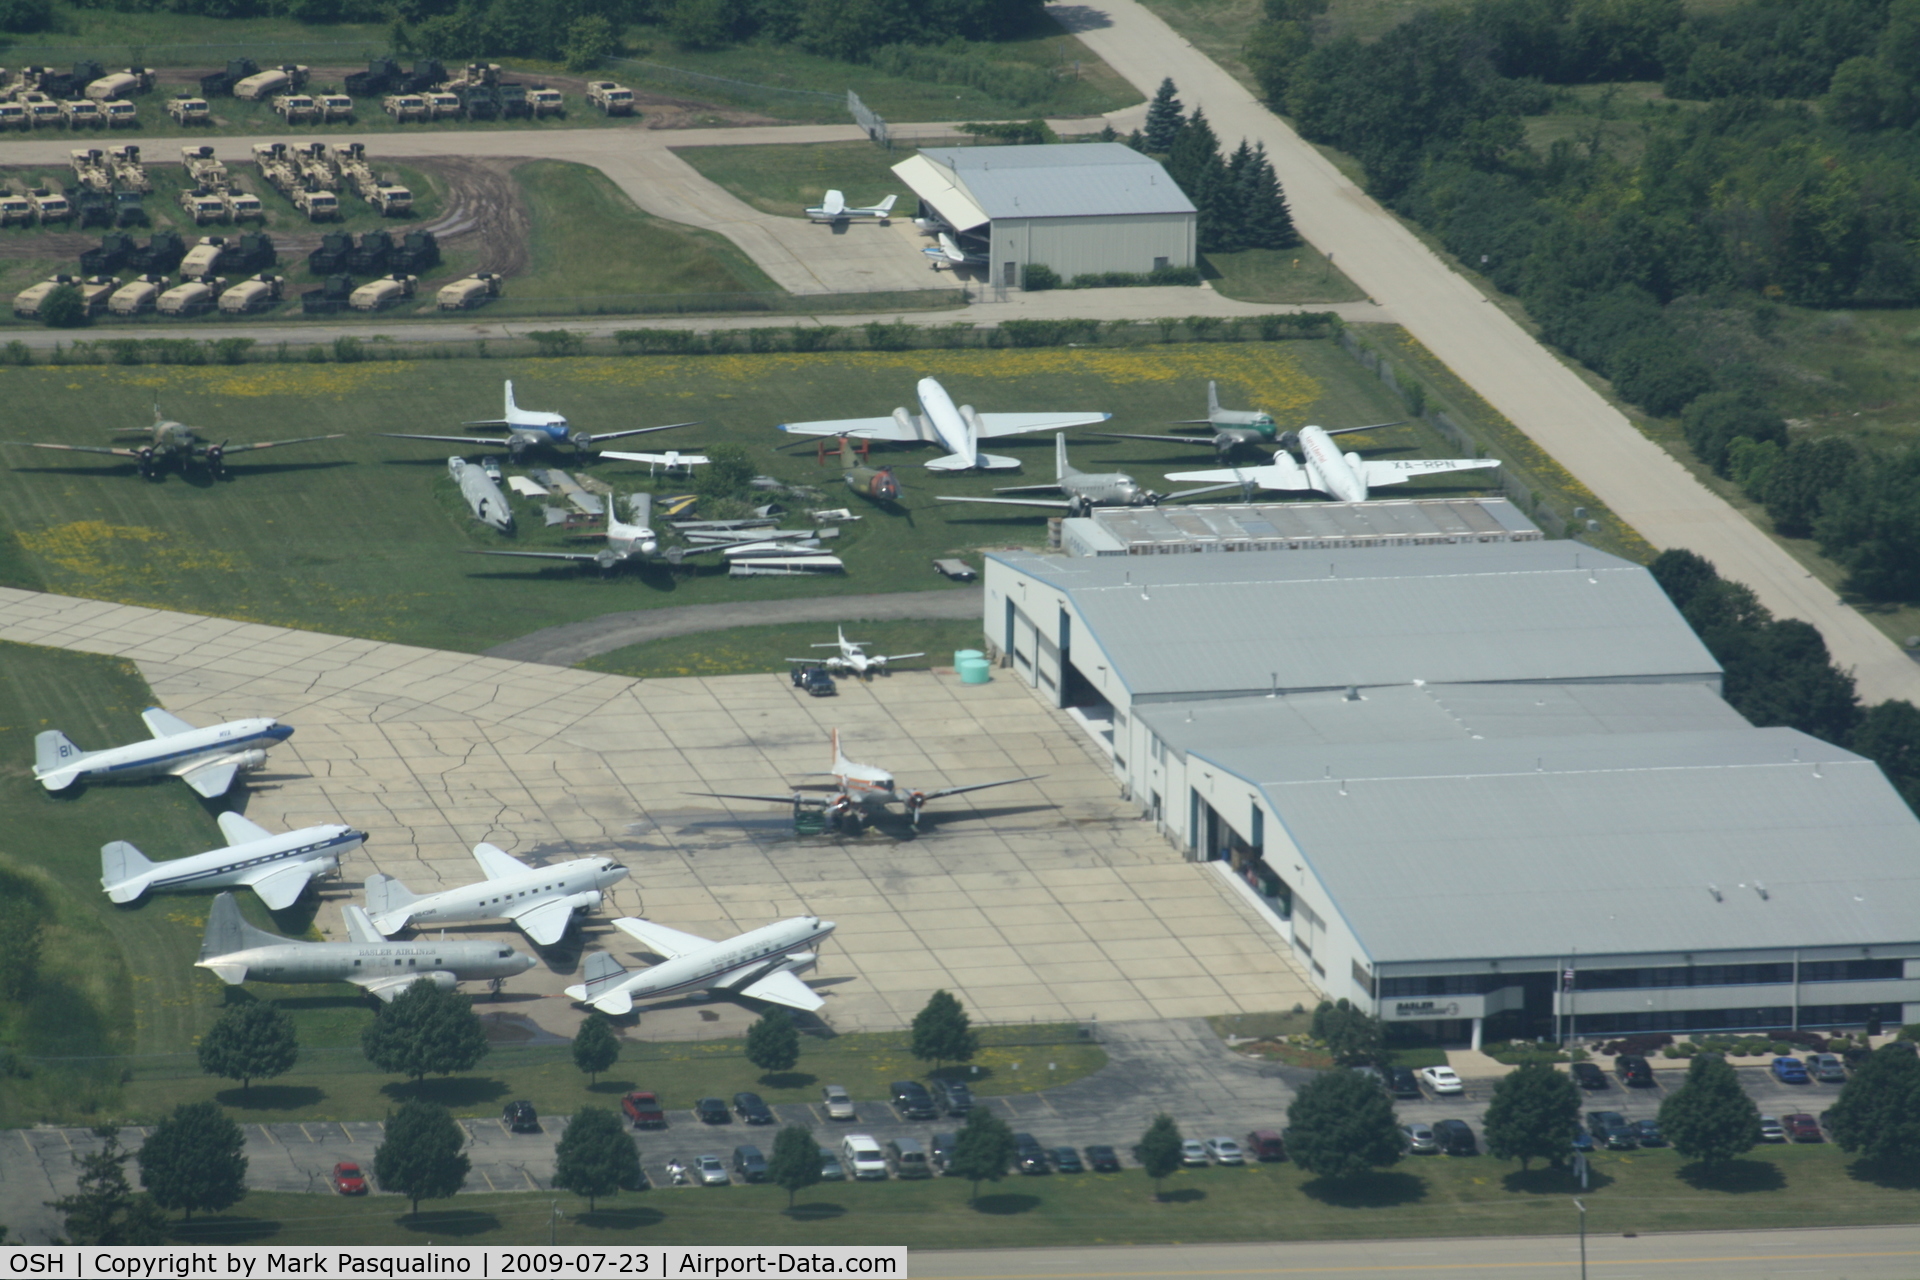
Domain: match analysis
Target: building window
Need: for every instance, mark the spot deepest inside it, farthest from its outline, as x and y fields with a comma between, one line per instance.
x=1700, y=975
x=1443, y=984
x=1851, y=970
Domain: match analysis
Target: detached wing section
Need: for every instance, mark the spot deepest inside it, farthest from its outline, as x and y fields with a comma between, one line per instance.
x=1013, y=424
x=860, y=428
x=1402, y=470
x=784, y=988
x=659, y=939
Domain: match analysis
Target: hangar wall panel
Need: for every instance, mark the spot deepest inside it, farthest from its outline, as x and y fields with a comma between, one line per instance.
x=1084, y=245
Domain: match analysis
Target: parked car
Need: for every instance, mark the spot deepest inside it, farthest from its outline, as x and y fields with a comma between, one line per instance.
x=347, y=1179
x=1193, y=1153
x=644, y=1110
x=1790, y=1071
x=836, y=1102
x=863, y=1156
x=831, y=1170
x=711, y=1172
x=911, y=1100
x=1455, y=1138
x=908, y=1159
x=951, y=1096
x=1442, y=1080
x=520, y=1117
x=711, y=1111
x=749, y=1164
x=1771, y=1130
x=1634, y=1071
x=1103, y=1159
x=815, y=681
x=1647, y=1133
x=1265, y=1144
x=1802, y=1127
x=1583, y=1141
x=1827, y=1068
x=1225, y=1150
x=1028, y=1155
x=1588, y=1076
x=1067, y=1160
x=940, y=1149
x=1402, y=1083
x=1611, y=1130
x=1420, y=1139
x=750, y=1108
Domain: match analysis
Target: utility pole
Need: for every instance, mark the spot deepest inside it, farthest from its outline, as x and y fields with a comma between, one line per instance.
x=554, y=1215
x=1583, y=1238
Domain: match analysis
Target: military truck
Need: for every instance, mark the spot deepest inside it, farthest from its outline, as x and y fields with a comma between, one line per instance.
x=128, y=210
x=331, y=256
x=369, y=255
x=471, y=292
x=612, y=99
x=381, y=75
x=137, y=296
x=14, y=116
x=93, y=209
x=121, y=84
x=263, y=85
x=335, y=108
x=204, y=205
x=94, y=291
x=128, y=169
x=15, y=210
x=219, y=84
x=419, y=252
x=512, y=96
x=202, y=166
x=329, y=298
x=426, y=73
x=319, y=206
x=546, y=102
x=276, y=166
x=162, y=252
x=296, y=108
x=113, y=252
x=44, y=112
x=387, y=291
x=49, y=205
x=90, y=168
x=405, y=106
x=120, y=114
x=191, y=297
x=256, y=293
x=184, y=110
x=204, y=259
x=83, y=113
x=442, y=105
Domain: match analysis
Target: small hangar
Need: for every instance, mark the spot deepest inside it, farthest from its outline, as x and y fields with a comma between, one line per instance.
x=1079, y=208
x=1482, y=783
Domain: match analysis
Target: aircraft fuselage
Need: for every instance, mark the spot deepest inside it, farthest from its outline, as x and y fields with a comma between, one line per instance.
x=320, y=847
x=583, y=879
x=736, y=962
x=175, y=754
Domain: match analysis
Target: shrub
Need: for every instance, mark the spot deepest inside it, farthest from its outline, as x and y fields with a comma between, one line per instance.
x=348, y=350
x=1038, y=276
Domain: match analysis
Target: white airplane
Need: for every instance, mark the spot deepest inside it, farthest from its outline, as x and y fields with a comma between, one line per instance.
x=206, y=759
x=853, y=656
x=948, y=254
x=237, y=952
x=541, y=900
x=762, y=964
x=1082, y=490
x=527, y=428
x=859, y=790
x=836, y=209
x=958, y=430
x=276, y=868
x=1344, y=477
x=671, y=459
x=638, y=541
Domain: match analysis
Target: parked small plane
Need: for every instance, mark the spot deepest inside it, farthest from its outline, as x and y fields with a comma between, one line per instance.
x=858, y=790
x=1233, y=428
x=482, y=494
x=959, y=430
x=527, y=428
x=276, y=868
x=636, y=541
x=1084, y=490
x=206, y=759
x=1345, y=477
x=541, y=900
x=878, y=483
x=853, y=656
x=762, y=964
x=948, y=254
x=672, y=459
x=238, y=952
x=171, y=443
x=836, y=209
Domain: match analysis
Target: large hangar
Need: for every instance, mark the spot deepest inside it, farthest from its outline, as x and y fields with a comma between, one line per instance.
x=1483, y=782
x=1079, y=208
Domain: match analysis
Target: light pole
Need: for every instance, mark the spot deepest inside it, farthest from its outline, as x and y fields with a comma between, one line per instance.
x=1583, y=1238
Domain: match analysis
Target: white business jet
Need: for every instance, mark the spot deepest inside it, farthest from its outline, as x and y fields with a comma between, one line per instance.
x=762, y=964
x=958, y=429
x=276, y=868
x=541, y=900
x=206, y=759
x=527, y=428
x=1346, y=477
x=836, y=209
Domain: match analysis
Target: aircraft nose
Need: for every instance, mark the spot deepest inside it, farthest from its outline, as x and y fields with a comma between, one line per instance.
x=616, y=871
x=525, y=963
x=280, y=732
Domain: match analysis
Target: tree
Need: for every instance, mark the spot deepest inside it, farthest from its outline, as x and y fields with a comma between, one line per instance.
x=426, y=1028
x=773, y=1043
x=63, y=308
x=1159, y=1150
x=942, y=1032
x=1352, y=1035
x=983, y=1151
x=1889, y=735
x=421, y=1156
x=795, y=1163
x=594, y=1157
x=249, y=1040
x=195, y=1159
x=596, y=1048
x=1878, y=1113
x=1165, y=119
x=589, y=39
x=1806, y=470
x=105, y=1210
x=1534, y=1112
x=729, y=469
x=1710, y=1118
x=1342, y=1125
x=1268, y=221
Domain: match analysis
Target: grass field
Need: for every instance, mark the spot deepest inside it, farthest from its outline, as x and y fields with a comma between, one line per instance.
x=745, y=650
x=1642, y=1193
x=365, y=535
x=1290, y=276
x=788, y=179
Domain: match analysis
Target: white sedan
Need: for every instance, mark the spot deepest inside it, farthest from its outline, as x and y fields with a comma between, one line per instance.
x=1442, y=1080
x=1193, y=1152
x=1225, y=1151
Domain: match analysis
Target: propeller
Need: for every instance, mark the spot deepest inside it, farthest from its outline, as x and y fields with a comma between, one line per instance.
x=1151, y=498
x=1288, y=440
x=146, y=462
x=581, y=441
x=215, y=454
x=915, y=802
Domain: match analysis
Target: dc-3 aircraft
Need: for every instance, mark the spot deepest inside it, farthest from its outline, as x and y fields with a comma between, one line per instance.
x=948, y=254
x=859, y=790
x=1344, y=477
x=959, y=430
x=175, y=444
x=1083, y=490
x=206, y=759
x=762, y=964
x=1233, y=428
x=853, y=656
x=238, y=952
x=836, y=209
x=672, y=459
x=541, y=900
x=276, y=868
x=528, y=428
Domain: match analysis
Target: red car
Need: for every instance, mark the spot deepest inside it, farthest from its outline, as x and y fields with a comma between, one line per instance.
x=348, y=1180
x=1802, y=1127
x=644, y=1110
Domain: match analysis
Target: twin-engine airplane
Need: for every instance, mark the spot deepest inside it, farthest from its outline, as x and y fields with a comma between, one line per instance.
x=853, y=656
x=206, y=759
x=1083, y=490
x=763, y=964
x=174, y=444
x=1345, y=477
x=238, y=952
x=530, y=428
x=836, y=209
x=959, y=430
x=1234, y=428
x=541, y=900
x=276, y=868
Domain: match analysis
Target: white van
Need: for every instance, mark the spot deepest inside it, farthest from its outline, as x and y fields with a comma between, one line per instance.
x=863, y=1156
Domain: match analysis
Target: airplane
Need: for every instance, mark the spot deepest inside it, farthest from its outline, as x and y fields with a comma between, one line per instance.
x=171, y=443
x=1233, y=428
x=761, y=964
x=950, y=255
x=206, y=759
x=958, y=430
x=237, y=952
x=671, y=459
x=836, y=209
x=541, y=900
x=527, y=428
x=1346, y=478
x=636, y=541
x=853, y=656
x=276, y=868
x=1084, y=490
x=482, y=494
x=877, y=483
x=860, y=789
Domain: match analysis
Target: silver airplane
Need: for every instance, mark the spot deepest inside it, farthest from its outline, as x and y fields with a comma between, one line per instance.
x=482, y=495
x=528, y=428
x=1235, y=428
x=206, y=759
x=237, y=952
x=276, y=868
x=762, y=964
x=1084, y=490
x=541, y=900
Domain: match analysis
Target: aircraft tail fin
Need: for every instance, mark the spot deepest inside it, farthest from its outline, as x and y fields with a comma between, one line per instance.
x=387, y=903
x=840, y=763
x=228, y=933
x=510, y=404
x=1213, y=397
x=53, y=750
x=121, y=869
x=1060, y=467
x=886, y=206
x=603, y=975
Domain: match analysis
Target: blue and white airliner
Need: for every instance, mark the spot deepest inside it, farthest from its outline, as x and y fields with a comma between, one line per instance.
x=206, y=759
x=276, y=868
x=528, y=428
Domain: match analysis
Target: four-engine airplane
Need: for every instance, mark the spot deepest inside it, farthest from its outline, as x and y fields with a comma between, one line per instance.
x=206, y=759
x=171, y=443
x=1233, y=428
x=1084, y=490
x=836, y=209
x=541, y=900
x=853, y=656
x=276, y=868
x=959, y=429
x=1345, y=477
x=762, y=964
x=528, y=428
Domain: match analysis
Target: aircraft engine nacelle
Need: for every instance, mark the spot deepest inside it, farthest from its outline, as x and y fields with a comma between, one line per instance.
x=1353, y=460
x=586, y=900
x=439, y=978
x=580, y=440
x=908, y=421
x=800, y=961
x=1288, y=440
x=250, y=759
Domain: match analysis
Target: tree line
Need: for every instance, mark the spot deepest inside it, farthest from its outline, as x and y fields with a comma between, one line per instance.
x=1239, y=199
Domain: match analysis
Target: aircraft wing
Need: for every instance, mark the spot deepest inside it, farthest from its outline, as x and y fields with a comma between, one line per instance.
x=164, y=724
x=637, y=431
x=661, y=459
x=782, y=987
x=279, y=885
x=980, y=786
x=789, y=798
x=542, y=555
x=1282, y=473
x=88, y=448
x=469, y=441
x=659, y=939
x=1371, y=426
x=1402, y=470
x=864, y=428
x=1013, y=424
x=497, y=862
x=210, y=781
x=1167, y=438
x=544, y=922
x=275, y=444
x=389, y=986
x=238, y=830
x=1051, y=504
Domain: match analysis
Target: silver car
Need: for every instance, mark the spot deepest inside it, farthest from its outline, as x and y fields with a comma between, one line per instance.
x=1771, y=1130
x=1420, y=1139
x=835, y=1101
x=1225, y=1151
x=711, y=1172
